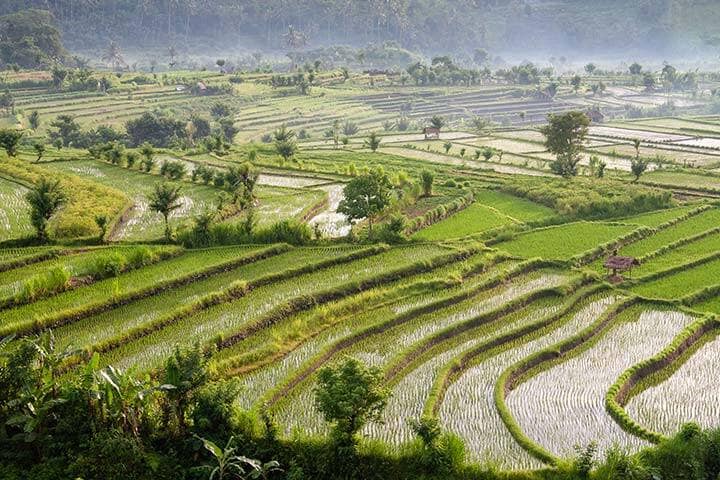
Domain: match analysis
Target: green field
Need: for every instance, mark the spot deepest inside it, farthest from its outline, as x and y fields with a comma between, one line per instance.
x=474, y=220
x=14, y=215
x=565, y=241
x=473, y=291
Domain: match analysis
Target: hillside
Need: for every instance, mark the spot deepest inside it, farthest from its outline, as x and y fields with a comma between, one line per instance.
x=519, y=28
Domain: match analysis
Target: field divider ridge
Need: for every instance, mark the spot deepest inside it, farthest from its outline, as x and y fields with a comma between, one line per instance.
x=74, y=314
x=304, y=302
x=620, y=393
x=466, y=359
x=543, y=360
x=314, y=363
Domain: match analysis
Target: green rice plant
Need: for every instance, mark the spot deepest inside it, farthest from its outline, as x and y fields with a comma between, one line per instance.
x=559, y=409
x=141, y=223
x=682, y=280
x=86, y=199
x=378, y=349
x=411, y=390
x=540, y=360
x=660, y=217
x=563, y=242
x=86, y=300
x=80, y=264
x=16, y=257
x=694, y=225
x=687, y=395
x=468, y=407
x=684, y=253
x=686, y=180
x=223, y=321
x=661, y=368
x=114, y=326
x=517, y=208
x=109, y=265
x=263, y=380
x=589, y=198
x=15, y=212
x=487, y=280
x=52, y=281
x=473, y=220
x=278, y=339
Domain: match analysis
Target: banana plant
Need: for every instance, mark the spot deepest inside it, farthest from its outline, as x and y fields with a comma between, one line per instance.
x=119, y=397
x=229, y=466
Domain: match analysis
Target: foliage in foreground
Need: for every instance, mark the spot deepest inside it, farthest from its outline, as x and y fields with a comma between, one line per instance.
x=103, y=423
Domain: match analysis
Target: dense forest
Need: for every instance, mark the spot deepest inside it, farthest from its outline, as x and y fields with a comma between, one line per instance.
x=669, y=27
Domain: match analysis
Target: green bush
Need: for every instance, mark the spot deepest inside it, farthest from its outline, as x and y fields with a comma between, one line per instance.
x=140, y=256
x=54, y=280
x=112, y=456
x=108, y=265
x=287, y=231
x=392, y=231
x=589, y=198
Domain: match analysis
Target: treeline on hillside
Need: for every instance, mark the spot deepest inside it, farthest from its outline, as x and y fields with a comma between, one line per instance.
x=427, y=25
x=63, y=417
x=30, y=39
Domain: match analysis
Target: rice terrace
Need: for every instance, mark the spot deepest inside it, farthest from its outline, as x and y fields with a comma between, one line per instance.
x=254, y=240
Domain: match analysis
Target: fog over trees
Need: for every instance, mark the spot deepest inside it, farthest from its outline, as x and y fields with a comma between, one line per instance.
x=523, y=28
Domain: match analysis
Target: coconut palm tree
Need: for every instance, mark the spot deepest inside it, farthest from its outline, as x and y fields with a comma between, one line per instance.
x=294, y=39
x=45, y=199
x=165, y=199
x=113, y=56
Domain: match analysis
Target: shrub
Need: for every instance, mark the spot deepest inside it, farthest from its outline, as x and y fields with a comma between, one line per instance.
x=140, y=256
x=173, y=170
x=288, y=231
x=129, y=461
x=392, y=231
x=54, y=280
x=108, y=265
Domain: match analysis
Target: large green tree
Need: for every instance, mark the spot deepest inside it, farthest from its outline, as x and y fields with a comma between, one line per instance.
x=365, y=196
x=154, y=128
x=30, y=39
x=564, y=136
x=349, y=396
x=66, y=129
x=9, y=140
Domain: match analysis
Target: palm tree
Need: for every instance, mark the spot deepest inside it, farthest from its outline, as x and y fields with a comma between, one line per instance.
x=45, y=199
x=373, y=141
x=39, y=150
x=114, y=57
x=294, y=39
x=172, y=53
x=165, y=199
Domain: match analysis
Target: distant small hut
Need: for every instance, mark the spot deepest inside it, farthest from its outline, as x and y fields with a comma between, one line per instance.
x=201, y=88
x=595, y=115
x=431, y=133
x=616, y=265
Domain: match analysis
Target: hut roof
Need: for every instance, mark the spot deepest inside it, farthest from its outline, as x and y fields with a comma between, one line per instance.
x=620, y=263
